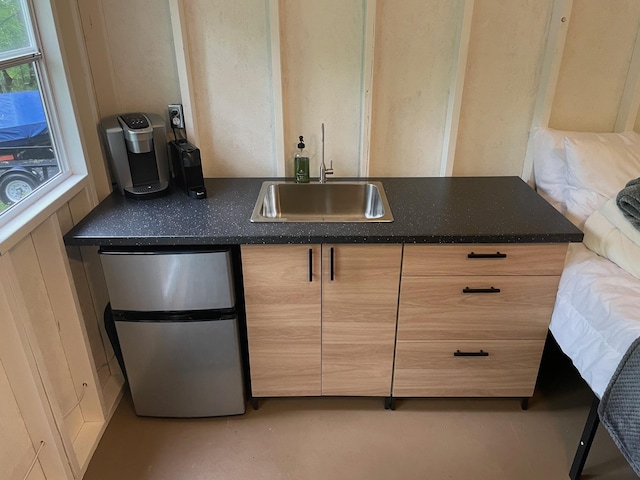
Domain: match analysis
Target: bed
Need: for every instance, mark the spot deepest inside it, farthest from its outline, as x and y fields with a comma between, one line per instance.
x=596, y=319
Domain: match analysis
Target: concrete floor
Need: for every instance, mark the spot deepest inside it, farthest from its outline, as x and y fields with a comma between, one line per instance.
x=355, y=438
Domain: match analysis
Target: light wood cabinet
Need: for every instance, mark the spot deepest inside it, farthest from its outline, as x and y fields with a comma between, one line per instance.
x=359, y=310
x=282, y=298
x=473, y=319
x=321, y=319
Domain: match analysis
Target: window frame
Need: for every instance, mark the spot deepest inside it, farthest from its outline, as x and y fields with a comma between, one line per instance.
x=58, y=101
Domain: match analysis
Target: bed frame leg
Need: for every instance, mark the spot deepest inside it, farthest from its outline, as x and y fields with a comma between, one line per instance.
x=586, y=440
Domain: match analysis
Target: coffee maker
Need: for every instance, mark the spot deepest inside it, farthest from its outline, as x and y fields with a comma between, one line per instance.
x=187, y=168
x=136, y=145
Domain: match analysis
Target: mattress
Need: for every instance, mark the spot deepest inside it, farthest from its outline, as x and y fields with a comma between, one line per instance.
x=596, y=316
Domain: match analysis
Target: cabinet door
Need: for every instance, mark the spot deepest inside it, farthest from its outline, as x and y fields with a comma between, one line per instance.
x=282, y=296
x=359, y=310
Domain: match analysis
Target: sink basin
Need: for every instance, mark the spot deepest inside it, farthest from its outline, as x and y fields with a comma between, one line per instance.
x=361, y=201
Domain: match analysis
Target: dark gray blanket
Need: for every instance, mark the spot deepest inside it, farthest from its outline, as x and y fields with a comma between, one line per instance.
x=619, y=408
x=628, y=200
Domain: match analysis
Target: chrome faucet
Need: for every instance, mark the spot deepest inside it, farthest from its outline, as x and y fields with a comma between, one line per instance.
x=324, y=171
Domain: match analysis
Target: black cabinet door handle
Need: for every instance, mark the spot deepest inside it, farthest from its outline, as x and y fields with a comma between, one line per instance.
x=481, y=353
x=332, y=264
x=480, y=290
x=487, y=255
x=311, y=265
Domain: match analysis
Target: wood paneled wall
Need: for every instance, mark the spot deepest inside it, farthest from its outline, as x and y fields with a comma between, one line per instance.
x=16, y=449
x=601, y=37
x=230, y=68
x=413, y=67
x=405, y=88
x=59, y=380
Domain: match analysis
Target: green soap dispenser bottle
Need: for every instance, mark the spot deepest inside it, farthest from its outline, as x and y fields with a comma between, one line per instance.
x=301, y=163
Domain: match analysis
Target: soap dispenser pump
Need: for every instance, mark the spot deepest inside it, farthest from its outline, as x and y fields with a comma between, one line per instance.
x=301, y=163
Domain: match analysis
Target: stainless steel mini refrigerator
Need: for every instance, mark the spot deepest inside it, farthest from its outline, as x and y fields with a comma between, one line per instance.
x=177, y=326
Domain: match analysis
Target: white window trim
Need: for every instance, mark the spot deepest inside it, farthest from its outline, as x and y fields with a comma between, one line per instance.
x=55, y=89
x=46, y=205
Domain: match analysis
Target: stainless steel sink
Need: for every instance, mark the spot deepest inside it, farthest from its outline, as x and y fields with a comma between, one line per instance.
x=361, y=201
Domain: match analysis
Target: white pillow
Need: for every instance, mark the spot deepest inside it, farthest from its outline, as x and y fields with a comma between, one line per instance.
x=551, y=169
x=550, y=165
x=597, y=171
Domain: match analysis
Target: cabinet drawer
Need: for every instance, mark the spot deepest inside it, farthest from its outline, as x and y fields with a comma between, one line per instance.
x=437, y=308
x=484, y=259
x=430, y=369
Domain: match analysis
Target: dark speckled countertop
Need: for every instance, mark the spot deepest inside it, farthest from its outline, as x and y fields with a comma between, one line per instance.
x=426, y=210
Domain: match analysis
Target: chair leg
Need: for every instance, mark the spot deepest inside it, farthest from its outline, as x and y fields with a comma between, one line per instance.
x=586, y=440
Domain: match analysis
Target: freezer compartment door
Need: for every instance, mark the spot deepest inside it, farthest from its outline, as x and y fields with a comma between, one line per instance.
x=162, y=281
x=183, y=369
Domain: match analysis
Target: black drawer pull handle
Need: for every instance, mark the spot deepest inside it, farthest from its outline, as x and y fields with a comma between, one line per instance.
x=311, y=265
x=487, y=255
x=332, y=265
x=481, y=353
x=480, y=290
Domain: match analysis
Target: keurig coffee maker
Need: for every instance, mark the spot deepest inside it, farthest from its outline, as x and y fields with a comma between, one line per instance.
x=187, y=168
x=136, y=144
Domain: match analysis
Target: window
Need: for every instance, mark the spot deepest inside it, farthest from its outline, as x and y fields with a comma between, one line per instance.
x=28, y=153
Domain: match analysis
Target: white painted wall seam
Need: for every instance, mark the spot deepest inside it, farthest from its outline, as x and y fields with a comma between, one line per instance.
x=279, y=154
x=630, y=99
x=183, y=64
x=368, y=58
x=556, y=40
x=452, y=121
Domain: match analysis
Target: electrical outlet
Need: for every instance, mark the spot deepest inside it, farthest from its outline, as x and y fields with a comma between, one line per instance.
x=176, y=117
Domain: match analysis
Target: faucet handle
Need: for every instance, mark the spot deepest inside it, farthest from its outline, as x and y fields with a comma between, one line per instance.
x=329, y=171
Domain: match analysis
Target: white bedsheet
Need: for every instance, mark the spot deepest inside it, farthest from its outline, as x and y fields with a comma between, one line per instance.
x=596, y=316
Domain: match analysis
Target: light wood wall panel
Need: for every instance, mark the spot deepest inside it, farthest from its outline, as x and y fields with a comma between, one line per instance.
x=27, y=386
x=322, y=48
x=139, y=57
x=16, y=448
x=413, y=66
x=69, y=28
x=31, y=284
x=263, y=72
x=86, y=271
x=92, y=293
x=61, y=391
x=506, y=49
x=597, y=53
x=230, y=63
x=91, y=319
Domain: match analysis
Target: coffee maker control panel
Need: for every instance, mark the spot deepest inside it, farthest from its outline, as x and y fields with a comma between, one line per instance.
x=135, y=120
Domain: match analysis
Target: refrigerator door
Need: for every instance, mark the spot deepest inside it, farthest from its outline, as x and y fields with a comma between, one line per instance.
x=183, y=369
x=164, y=281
